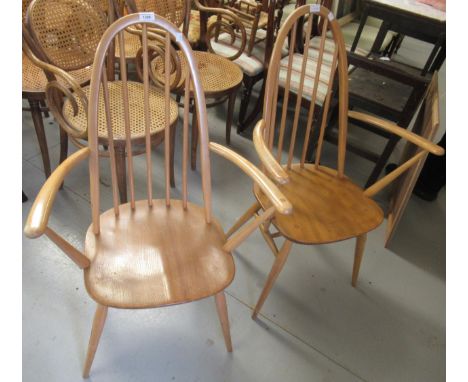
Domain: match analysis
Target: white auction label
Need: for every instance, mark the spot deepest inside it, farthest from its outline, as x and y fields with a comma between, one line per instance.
x=331, y=17
x=314, y=8
x=146, y=16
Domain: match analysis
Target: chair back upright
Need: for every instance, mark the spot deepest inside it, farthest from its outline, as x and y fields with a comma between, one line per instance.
x=315, y=70
x=99, y=107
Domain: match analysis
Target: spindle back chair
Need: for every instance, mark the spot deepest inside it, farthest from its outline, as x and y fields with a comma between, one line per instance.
x=150, y=252
x=328, y=207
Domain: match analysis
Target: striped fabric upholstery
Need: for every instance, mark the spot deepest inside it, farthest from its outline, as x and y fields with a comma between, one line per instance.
x=310, y=74
x=311, y=69
x=252, y=65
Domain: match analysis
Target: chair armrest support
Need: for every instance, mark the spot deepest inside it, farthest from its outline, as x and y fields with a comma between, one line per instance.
x=268, y=160
x=282, y=205
x=424, y=144
x=36, y=224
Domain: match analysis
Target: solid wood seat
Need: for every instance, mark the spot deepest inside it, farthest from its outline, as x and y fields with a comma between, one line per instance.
x=325, y=207
x=137, y=117
x=156, y=256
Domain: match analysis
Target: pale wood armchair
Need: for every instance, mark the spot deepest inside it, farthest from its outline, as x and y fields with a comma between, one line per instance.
x=327, y=205
x=151, y=252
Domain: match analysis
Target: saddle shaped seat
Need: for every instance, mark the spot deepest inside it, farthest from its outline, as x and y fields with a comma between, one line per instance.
x=157, y=256
x=325, y=207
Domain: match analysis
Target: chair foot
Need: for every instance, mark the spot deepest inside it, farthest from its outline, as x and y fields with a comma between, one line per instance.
x=358, y=253
x=221, y=307
x=96, y=331
x=275, y=270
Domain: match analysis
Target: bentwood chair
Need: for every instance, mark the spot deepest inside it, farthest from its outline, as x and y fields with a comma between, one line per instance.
x=221, y=78
x=151, y=252
x=67, y=34
x=34, y=84
x=253, y=17
x=254, y=62
x=327, y=206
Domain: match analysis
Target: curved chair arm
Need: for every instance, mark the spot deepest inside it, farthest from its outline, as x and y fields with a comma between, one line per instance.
x=60, y=80
x=271, y=164
x=36, y=224
x=63, y=75
x=397, y=130
x=426, y=146
x=281, y=204
x=220, y=26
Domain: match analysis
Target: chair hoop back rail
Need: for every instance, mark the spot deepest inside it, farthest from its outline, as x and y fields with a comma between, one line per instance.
x=337, y=60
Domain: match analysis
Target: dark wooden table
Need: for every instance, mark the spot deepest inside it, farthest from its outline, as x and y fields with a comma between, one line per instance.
x=408, y=18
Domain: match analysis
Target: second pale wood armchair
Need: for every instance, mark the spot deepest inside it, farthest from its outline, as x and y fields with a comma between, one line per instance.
x=156, y=251
x=327, y=206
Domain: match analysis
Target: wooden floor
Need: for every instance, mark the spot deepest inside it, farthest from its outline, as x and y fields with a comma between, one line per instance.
x=313, y=327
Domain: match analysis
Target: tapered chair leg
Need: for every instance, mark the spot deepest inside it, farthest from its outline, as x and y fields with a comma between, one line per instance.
x=275, y=270
x=96, y=331
x=221, y=307
x=41, y=137
x=44, y=109
x=63, y=148
x=63, y=145
x=246, y=93
x=358, y=253
x=230, y=112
